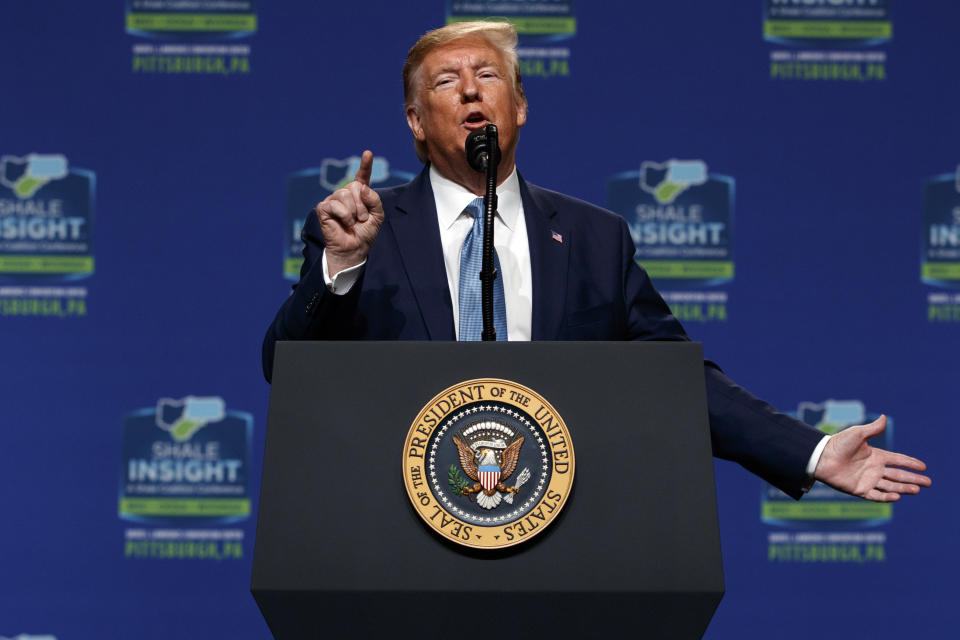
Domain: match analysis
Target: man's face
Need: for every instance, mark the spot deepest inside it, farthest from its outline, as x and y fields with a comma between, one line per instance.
x=463, y=86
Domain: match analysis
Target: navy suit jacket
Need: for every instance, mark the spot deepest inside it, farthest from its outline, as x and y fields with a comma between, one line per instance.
x=586, y=286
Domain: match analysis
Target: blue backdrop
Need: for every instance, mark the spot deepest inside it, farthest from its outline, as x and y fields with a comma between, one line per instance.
x=157, y=157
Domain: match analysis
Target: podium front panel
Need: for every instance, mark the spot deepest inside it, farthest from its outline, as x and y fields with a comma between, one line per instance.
x=337, y=534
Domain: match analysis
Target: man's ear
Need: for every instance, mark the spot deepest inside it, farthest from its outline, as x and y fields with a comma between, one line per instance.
x=522, y=113
x=413, y=121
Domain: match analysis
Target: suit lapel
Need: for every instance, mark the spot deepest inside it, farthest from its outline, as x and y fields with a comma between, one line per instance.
x=413, y=220
x=549, y=241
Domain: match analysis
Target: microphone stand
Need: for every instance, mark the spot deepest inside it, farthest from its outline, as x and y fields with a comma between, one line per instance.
x=488, y=270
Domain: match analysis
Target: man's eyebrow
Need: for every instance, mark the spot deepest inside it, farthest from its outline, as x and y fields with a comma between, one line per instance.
x=448, y=69
x=486, y=63
x=454, y=68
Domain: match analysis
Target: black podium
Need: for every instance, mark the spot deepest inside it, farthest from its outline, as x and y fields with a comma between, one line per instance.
x=340, y=551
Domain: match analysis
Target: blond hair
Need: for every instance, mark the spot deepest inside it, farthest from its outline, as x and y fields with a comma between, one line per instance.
x=501, y=36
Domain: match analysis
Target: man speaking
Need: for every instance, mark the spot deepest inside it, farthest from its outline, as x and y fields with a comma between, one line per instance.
x=401, y=264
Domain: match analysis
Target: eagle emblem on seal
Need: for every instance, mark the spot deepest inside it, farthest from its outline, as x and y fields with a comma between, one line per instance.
x=489, y=451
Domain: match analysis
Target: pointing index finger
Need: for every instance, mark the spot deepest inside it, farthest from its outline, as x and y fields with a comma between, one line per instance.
x=366, y=168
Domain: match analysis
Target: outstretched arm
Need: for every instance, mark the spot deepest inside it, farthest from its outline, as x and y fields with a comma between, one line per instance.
x=851, y=465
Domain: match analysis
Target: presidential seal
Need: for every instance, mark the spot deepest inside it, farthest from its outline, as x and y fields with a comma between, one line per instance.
x=488, y=463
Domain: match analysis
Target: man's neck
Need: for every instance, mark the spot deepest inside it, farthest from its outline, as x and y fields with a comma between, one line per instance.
x=451, y=198
x=473, y=181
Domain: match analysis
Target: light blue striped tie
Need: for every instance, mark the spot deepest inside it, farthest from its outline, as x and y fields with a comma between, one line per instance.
x=471, y=258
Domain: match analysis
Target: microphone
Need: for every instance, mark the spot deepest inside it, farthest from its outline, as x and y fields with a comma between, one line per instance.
x=478, y=147
x=483, y=155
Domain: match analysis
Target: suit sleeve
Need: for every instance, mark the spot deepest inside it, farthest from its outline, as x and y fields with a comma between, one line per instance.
x=311, y=312
x=743, y=428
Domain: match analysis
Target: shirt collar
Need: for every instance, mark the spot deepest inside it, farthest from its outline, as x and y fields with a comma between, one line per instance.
x=452, y=199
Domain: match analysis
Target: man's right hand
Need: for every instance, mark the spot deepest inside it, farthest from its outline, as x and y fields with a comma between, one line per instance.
x=350, y=219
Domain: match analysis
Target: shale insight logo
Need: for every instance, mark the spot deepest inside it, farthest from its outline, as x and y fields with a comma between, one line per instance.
x=680, y=217
x=823, y=506
x=544, y=28
x=940, y=262
x=190, y=38
x=308, y=187
x=46, y=219
x=859, y=22
x=839, y=40
x=827, y=525
x=46, y=235
x=186, y=460
x=186, y=20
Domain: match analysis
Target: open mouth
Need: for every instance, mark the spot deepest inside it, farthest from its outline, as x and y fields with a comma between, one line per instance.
x=475, y=120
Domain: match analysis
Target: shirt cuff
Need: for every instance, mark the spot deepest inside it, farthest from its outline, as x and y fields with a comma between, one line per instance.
x=812, y=464
x=342, y=281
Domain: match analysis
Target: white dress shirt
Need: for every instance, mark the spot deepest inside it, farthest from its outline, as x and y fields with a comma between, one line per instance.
x=509, y=239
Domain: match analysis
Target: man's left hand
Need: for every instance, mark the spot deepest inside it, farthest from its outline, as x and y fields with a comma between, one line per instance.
x=851, y=465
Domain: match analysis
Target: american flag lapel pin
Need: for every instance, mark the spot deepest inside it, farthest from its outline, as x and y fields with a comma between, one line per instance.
x=556, y=236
